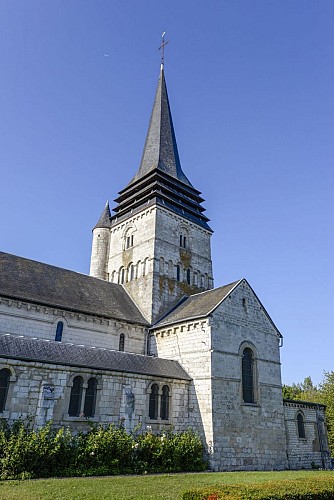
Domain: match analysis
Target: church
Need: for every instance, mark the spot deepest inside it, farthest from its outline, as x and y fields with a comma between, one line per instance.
x=146, y=339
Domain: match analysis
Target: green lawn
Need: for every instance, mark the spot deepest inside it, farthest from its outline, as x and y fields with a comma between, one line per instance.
x=153, y=487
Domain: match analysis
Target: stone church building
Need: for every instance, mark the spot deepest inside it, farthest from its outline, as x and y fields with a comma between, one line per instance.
x=146, y=338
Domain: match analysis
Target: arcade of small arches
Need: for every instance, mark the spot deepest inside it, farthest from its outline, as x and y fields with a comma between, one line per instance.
x=166, y=268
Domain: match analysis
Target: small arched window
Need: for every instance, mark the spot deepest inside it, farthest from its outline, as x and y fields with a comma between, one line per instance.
x=90, y=398
x=75, y=398
x=154, y=402
x=247, y=375
x=131, y=272
x=161, y=265
x=121, y=342
x=183, y=241
x=178, y=273
x=188, y=276
x=145, y=265
x=164, y=404
x=170, y=269
x=4, y=385
x=301, y=426
x=59, y=331
x=121, y=276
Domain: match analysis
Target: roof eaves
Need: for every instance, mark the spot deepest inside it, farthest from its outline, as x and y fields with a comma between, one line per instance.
x=75, y=310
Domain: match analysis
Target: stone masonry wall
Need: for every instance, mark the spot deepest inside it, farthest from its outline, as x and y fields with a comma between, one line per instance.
x=312, y=450
x=100, y=253
x=189, y=343
x=22, y=318
x=43, y=391
x=193, y=258
x=131, y=261
x=247, y=436
x=145, y=253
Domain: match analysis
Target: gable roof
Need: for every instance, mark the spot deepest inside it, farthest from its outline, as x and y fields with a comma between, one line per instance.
x=198, y=305
x=32, y=281
x=203, y=304
x=44, y=351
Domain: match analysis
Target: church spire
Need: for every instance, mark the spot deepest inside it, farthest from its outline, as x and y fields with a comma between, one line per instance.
x=160, y=150
x=160, y=178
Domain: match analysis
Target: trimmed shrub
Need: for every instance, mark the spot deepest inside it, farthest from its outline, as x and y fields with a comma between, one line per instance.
x=103, y=450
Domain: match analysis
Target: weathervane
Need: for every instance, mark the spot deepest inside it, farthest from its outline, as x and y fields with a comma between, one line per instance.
x=162, y=48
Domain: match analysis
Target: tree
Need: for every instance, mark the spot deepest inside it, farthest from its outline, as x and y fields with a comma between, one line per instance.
x=326, y=390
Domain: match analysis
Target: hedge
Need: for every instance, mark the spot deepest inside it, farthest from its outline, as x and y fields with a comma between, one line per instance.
x=103, y=450
x=299, y=489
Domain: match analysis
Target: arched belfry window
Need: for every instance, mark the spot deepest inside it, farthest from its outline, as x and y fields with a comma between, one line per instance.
x=178, y=273
x=301, y=426
x=164, y=403
x=90, y=398
x=75, y=398
x=59, y=331
x=4, y=385
x=248, y=375
x=121, y=344
x=188, y=276
x=154, y=402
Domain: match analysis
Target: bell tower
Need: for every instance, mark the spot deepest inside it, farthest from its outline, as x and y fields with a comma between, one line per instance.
x=159, y=238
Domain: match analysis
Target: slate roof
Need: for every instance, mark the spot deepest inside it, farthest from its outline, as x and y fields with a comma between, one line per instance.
x=104, y=220
x=32, y=281
x=160, y=150
x=160, y=178
x=43, y=351
x=198, y=305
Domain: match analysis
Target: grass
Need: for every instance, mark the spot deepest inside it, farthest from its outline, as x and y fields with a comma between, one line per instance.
x=154, y=487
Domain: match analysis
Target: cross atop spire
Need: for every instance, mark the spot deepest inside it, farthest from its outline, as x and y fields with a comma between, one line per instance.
x=162, y=48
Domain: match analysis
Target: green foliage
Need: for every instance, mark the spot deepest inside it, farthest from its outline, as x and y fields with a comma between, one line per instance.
x=326, y=390
x=103, y=450
x=305, y=391
x=311, y=489
x=169, y=452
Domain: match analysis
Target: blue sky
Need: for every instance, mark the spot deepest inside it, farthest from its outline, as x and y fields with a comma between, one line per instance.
x=251, y=91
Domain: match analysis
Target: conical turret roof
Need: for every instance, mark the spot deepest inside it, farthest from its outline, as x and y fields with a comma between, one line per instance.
x=104, y=221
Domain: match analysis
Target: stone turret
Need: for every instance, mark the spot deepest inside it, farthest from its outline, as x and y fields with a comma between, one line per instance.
x=100, y=246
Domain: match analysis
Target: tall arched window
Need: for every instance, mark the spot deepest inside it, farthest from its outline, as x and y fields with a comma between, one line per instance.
x=4, y=385
x=301, y=426
x=121, y=342
x=90, y=398
x=247, y=375
x=188, y=276
x=164, y=403
x=154, y=402
x=178, y=273
x=75, y=398
x=59, y=331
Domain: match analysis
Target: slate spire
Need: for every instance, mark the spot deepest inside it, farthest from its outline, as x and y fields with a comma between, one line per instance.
x=104, y=220
x=160, y=178
x=160, y=150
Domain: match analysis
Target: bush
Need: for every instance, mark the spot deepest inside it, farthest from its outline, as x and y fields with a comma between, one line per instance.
x=302, y=489
x=103, y=450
